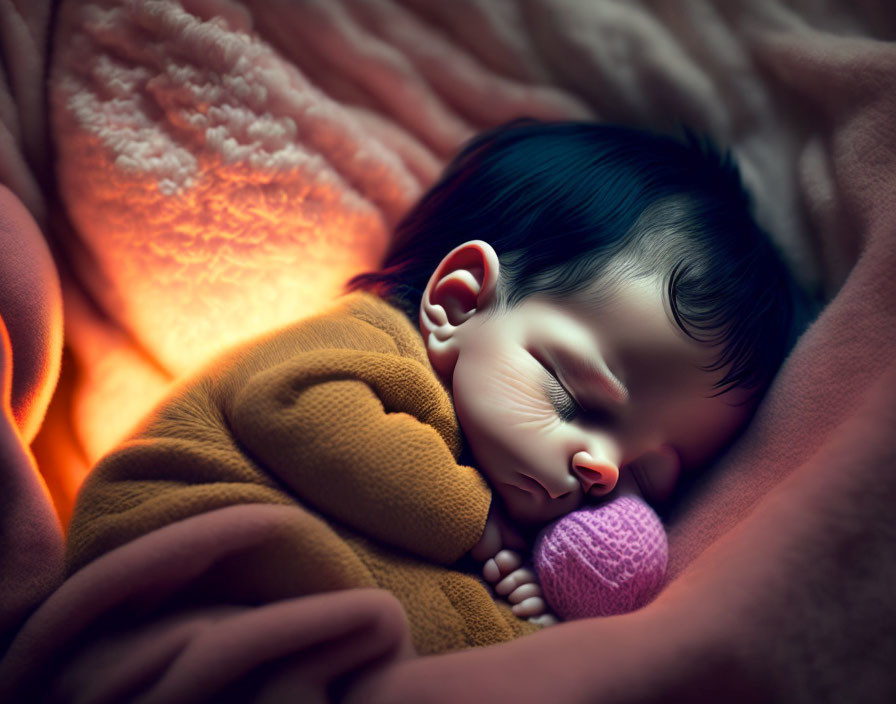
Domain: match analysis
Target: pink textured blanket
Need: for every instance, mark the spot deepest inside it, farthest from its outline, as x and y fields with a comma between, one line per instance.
x=220, y=167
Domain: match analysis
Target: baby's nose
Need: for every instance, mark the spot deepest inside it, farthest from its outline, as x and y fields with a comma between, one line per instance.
x=597, y=477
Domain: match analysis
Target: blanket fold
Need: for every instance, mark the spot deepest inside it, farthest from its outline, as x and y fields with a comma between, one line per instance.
x=156, y=616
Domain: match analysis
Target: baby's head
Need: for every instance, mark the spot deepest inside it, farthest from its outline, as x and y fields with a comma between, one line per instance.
x=600, y=302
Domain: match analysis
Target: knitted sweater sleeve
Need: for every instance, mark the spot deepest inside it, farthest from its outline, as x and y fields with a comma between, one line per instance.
x=366, y=438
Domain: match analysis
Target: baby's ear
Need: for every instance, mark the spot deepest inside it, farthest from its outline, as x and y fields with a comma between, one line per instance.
x=464, y=283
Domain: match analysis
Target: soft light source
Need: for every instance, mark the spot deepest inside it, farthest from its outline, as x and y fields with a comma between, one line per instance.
x=215, y=193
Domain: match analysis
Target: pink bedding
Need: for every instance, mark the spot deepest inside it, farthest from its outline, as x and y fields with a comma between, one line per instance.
x=205, y=170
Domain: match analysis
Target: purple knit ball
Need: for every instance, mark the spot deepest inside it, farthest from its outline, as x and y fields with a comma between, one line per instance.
x=602, y=560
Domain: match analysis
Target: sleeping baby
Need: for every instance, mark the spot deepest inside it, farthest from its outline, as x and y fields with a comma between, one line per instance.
x=573, y=312
x=611, y=318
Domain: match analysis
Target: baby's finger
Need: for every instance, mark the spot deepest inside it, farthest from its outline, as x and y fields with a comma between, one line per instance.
x=508, y=560
x=490, y=571
x=544, y=620
x=533, y=606
x=515, y=579
x=524, y=592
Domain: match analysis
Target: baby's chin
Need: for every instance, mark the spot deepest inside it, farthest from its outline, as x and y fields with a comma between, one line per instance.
x=536, y=509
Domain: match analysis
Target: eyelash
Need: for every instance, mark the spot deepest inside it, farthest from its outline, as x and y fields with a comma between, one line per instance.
x=563, y=402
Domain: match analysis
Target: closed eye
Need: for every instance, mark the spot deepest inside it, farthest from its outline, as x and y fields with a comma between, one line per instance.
x=568, y=408
x=563, y=402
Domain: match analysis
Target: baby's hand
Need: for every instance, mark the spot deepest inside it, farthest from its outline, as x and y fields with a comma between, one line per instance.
x=519, y=585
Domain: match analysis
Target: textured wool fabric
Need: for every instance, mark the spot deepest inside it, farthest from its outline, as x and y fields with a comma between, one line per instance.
x=341, y=418
x=602, y=560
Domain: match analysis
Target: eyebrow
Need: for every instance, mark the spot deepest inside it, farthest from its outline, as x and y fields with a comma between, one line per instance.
x=585, y=368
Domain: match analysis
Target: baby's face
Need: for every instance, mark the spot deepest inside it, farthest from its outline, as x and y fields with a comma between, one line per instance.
x=559, y=399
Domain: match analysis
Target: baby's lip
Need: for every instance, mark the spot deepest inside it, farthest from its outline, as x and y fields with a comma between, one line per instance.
x=528, y=486
x=517, y=487
x=535, y=505
x=537, y=488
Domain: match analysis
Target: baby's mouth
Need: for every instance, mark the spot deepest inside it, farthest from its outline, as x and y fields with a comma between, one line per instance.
x=562, y=490
x=529, y=485
x=534, y=493
x=527, y=491
x=529, y=503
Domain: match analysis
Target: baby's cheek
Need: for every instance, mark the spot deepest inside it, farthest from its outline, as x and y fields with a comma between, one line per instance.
x=657, y=474
x=507, y=394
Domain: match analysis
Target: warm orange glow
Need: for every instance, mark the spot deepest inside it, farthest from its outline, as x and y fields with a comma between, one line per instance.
x=188, y=269
x=118, y=381
x=186, y=304
x=106, y=385
x=211, y=199
x=109, y=382
x=113, y=382
x=57, y=451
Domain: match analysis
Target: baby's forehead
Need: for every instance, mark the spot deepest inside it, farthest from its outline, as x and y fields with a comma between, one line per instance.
x=634, y=309
x=630, y=324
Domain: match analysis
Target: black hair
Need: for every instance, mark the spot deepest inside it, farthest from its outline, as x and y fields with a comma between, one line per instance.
x=568, y=204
